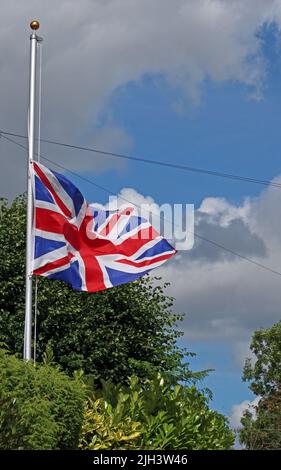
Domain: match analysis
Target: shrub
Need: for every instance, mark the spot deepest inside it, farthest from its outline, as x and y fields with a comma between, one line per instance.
x=152, y=415
x=40, y=408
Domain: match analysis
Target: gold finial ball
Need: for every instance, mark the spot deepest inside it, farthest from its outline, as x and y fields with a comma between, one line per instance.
x=35, y=25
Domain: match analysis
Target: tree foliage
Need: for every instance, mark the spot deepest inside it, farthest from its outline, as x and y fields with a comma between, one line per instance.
x=113, y=334
x=265, y=373
x=155, y=414
x=40, y=408
x=262, y=426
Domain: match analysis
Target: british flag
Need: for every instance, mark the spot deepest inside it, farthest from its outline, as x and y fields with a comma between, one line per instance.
x=89, y=248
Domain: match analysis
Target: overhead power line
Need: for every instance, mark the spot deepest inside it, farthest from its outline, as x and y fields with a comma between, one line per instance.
x=90, y=181
x=176, y=166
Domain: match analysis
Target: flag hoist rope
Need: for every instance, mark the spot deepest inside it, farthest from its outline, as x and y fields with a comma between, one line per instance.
x=34, y=41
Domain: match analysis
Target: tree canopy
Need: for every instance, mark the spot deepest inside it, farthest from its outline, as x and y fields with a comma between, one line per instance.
x=262, y=425
x=265, y=373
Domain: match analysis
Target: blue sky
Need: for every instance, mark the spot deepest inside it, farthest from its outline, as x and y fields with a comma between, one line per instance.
x=225, y=381
x=227, y=131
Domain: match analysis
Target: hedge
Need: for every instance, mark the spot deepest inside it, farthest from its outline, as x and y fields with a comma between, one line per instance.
x=40, y=408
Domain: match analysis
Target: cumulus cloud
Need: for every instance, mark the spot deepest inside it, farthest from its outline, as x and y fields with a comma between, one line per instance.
x=238, y=411
x=131, y=197
x=235, y=235
x=225, y=297
x=93, y=47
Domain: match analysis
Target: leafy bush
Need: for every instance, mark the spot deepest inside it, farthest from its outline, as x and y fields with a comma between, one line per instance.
x=40, y=408
x=152, y=415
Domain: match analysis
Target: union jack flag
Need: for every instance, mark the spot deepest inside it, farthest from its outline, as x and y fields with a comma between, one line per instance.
x=89, y=248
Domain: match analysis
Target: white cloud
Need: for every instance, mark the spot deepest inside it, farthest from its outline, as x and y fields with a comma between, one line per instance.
x=223, y=296
x=238, y=410
x=92, y=48
x=221, y=212
x=146, y=206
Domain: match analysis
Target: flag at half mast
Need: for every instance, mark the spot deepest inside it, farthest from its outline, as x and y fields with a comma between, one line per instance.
x=89, y=248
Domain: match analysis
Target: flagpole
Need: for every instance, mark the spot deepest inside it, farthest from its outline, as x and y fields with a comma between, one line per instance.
x=31, y=154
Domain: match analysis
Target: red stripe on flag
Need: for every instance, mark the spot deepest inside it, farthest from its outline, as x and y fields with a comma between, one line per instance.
x=54, y=264
x=49, y=221
x=147, y=262
x=114, y=220
x=93, y=274
x=48, y=185
x=130, y=246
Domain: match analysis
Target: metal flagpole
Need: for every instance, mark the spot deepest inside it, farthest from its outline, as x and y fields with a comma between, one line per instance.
x=29, y=242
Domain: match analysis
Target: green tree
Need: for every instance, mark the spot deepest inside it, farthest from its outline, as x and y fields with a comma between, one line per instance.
x=262, y=426
x=113, y=334
x=265, y=373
